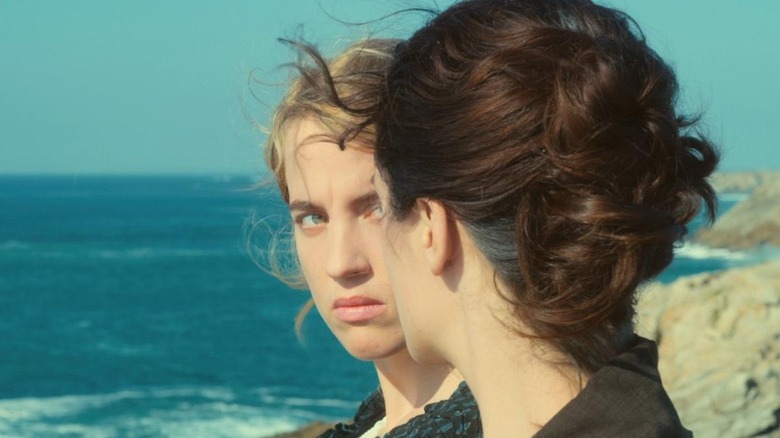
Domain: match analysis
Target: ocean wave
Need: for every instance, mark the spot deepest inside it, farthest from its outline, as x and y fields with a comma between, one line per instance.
x=43, y=430
x=139, y=253
x=160, y=424
x=226, y=426
x=699, y=252
x=703, y=254
x=165, y=412
x=733, y=197
x=69, y=405
x=269, y=395
x=14, y=245
x=148, y=253
x=121, y=349
x=308, y=402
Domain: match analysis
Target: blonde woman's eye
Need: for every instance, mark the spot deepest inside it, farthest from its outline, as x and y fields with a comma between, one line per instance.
x=310, y=220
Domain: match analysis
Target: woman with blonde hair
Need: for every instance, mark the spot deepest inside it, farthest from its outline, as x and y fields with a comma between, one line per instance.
x=337, y=234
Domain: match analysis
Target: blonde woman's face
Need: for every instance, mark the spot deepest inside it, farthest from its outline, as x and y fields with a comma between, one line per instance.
x=338, y=234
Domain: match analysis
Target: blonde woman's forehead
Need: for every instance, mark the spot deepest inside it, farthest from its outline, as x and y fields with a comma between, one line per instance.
x=299, y=134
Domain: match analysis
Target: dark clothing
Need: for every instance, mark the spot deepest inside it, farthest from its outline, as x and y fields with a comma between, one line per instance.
x=623, y=399
x=455, y=417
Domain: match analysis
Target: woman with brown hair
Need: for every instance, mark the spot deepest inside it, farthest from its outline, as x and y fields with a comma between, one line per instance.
x=535, y=172
x=337, y=235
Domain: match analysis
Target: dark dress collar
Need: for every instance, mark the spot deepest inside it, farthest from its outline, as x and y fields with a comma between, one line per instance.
x=456, y=416
x=623, y=399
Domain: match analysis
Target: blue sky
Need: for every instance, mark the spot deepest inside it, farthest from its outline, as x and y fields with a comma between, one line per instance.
x=158, y=87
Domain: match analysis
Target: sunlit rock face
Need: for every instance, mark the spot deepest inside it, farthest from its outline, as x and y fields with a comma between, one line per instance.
x=742, y=182
x=719, y=343
x=751, y=223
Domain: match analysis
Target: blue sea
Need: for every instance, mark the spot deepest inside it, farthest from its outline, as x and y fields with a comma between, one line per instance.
x=130, y=307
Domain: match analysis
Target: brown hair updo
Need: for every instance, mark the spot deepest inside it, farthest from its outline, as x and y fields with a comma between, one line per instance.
x=549, y=129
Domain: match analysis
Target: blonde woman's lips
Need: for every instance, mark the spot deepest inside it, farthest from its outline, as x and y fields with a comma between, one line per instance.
x=357, y=308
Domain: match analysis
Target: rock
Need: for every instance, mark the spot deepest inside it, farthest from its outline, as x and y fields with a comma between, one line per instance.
x=719, y=341
x=742, y=182
x=753, y=222
x=311, y=430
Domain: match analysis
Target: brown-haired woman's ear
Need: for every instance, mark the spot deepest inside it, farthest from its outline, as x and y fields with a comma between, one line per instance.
x=438, y=234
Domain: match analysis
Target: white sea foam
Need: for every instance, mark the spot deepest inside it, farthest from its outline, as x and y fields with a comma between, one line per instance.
x=210, y=393
x=35, y=408
x=68, y=405
x=38, y=408
x=257, y=426
x=732, y=258
x=699, y=252
x=159, y=424
x=209, y=420
x=268, y=395
x=208, y=412
x=308, y=402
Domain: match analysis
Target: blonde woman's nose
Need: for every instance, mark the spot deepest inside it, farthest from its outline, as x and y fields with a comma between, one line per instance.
x=346, y=254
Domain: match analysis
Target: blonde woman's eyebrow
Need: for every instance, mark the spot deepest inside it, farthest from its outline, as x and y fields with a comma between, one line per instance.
x=302, y=206
x=357, y=204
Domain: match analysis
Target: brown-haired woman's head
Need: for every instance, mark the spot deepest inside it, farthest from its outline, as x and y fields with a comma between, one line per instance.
x=549, y=129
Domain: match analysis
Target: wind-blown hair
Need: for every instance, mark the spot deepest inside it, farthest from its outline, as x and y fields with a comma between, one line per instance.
x=328, y=91
x=549, y=129
x=321, y=91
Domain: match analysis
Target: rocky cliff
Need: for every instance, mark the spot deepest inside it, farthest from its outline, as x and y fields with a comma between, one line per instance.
x=719, y=342
x=752, y=222
x=741, y=182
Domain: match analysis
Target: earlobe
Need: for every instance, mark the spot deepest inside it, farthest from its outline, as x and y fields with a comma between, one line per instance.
x=436, y=237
